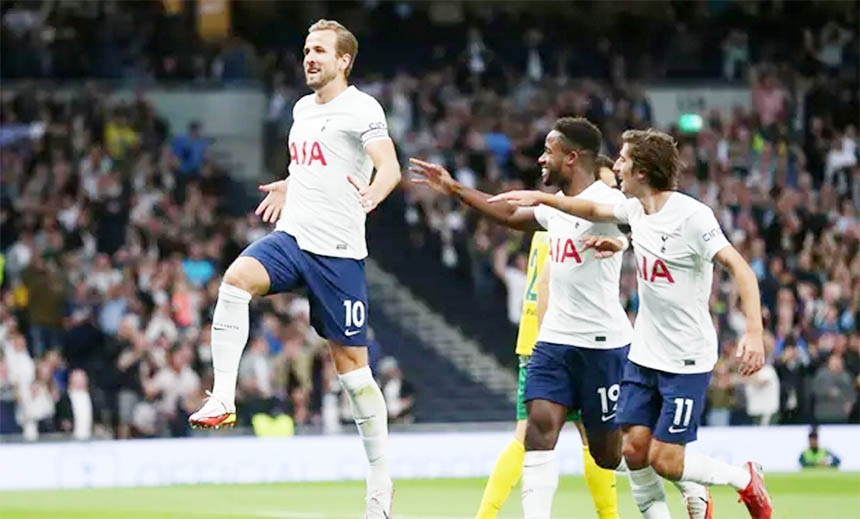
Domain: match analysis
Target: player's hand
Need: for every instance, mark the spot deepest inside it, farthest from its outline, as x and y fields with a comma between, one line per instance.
x=604, y=247
x=366, y=196
x=751, y=353
x=270, y=208
x=519, y=198
x=432, y=175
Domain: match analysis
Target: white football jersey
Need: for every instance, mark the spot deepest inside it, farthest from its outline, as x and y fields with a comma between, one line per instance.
x=674, y=251
x=584, y=306
x=326, y=145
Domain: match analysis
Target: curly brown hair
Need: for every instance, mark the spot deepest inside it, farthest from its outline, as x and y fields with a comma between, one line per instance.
x=657, y=154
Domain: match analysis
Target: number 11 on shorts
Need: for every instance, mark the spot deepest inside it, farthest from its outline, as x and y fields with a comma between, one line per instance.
x=355, y=313
x=682, y=418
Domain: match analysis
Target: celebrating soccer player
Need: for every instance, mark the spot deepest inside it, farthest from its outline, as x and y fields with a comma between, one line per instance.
x=339, y=135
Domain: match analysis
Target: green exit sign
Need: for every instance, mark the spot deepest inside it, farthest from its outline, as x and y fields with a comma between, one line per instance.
x=690, y=123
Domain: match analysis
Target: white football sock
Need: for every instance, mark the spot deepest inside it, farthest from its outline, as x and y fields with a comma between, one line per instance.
x=695, y=496
x=371, y=418
x=649, y=494
x=708, y=471
x=691, y=489
x=229, y=335
x=540, y=480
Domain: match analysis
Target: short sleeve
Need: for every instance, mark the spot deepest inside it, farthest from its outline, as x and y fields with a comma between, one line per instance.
x=704, y=234
x=542, y=216
x=371, y=123
x=624, y=210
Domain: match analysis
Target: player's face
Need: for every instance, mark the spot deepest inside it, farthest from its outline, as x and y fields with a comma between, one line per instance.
x=321, y=62
x=623, y=167
x=551, y=160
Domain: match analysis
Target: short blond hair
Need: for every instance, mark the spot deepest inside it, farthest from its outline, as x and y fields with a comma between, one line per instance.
x=346, y=41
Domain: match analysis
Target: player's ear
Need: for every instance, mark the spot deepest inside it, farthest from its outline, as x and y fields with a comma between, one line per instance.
x=345, y=60
x=570, y=157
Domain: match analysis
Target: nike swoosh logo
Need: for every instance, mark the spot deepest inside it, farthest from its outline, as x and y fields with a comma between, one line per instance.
x=350, y=333
x=607, y=418
x=676, y=431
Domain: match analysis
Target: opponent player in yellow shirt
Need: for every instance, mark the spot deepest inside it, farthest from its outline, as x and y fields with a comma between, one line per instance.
x=509, y=466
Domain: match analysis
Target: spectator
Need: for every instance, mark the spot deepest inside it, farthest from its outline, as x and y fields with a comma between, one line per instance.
x=256, y=379
x=47, y=294
x=817, y=457
x=76, y=410
x=36, y=404
x=173, y=387
x=792, y=367
x=8, y=423
x=762, y=395
x=735, y=54
x=769, y=99
x=399, y=393
x=21, y=370
x=514, y=276
x=198, y=269
x=721, y=396
x=833, y=391
x=132, y=363
x=190, y=150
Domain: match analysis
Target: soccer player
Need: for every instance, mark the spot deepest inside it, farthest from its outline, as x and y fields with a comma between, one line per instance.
x=582, y=343
x=339, y=135
x=674, y=349
x=509, y=466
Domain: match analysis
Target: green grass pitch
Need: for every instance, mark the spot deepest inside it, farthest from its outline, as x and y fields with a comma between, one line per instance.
x=821, y=495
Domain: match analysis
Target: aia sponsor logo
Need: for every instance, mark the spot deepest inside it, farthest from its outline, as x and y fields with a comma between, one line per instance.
x=563, y=250
x=654, y=270
x=307, y=153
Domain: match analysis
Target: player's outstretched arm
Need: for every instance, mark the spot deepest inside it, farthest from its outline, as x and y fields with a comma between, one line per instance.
x=276, y=194
x=571, y=205
x=438, y=178
x=751, y=345
x=384, y=157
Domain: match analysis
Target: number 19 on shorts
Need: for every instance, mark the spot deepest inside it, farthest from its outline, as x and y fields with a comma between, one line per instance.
x=609, y=397
x=354, y=313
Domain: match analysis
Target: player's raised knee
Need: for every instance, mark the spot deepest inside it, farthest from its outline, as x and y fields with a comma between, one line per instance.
x=248, y=274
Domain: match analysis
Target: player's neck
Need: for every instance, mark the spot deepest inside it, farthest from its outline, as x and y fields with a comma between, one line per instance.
x=577, y=184
x=331, y=90
x=653, y=201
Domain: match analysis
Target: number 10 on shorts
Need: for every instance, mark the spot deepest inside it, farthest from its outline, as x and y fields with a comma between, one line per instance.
x=355, y=313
